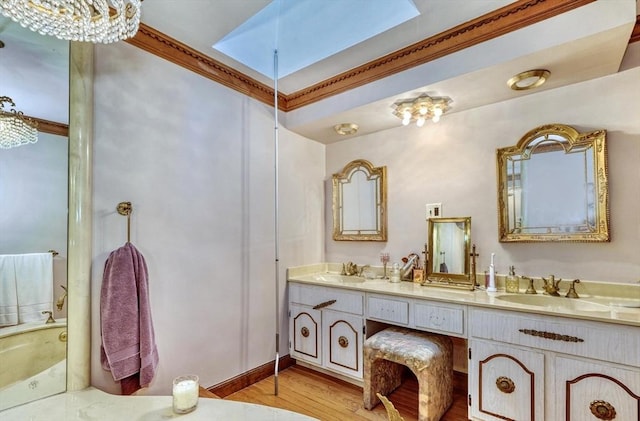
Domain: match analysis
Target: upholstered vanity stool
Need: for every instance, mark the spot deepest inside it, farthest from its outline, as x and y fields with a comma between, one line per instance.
x=428, y=356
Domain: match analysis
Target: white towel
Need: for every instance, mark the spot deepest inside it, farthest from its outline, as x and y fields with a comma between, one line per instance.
x=8, y=292
x=34, y=283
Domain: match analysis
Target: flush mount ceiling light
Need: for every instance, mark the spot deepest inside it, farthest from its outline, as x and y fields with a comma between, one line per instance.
x=97, y=21
x=421, y=108
x=16, y=129
x=528, y=80
x=346, y=129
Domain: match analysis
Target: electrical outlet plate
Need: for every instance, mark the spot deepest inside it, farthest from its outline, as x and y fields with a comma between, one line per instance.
x=434, y=210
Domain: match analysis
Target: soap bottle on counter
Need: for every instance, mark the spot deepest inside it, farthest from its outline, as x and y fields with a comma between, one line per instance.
x=512, y=283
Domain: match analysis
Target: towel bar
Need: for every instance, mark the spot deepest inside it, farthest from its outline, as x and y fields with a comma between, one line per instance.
x=125, y=208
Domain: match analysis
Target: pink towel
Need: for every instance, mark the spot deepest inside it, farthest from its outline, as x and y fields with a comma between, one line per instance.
x=128, y=340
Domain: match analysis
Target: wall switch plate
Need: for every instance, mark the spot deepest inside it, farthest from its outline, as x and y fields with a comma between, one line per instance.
x=434, y=210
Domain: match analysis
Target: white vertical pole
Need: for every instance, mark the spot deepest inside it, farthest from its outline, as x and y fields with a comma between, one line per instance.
x=277, y=251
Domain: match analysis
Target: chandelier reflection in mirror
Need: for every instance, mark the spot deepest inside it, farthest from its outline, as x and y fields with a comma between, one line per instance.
x=421, y=109
x=97, y=21
x=16, y=129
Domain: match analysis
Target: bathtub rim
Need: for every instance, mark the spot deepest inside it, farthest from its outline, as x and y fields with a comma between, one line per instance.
x=7, y=331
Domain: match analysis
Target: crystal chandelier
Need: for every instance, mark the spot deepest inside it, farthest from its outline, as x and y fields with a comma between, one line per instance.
x=16, y=129
x=97, y=21
x=421, y=108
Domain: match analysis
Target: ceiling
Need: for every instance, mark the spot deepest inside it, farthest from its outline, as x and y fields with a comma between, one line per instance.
x=583, y=43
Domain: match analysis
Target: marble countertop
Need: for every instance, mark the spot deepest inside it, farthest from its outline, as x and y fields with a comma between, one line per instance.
x=625, y=309
x=92, y=404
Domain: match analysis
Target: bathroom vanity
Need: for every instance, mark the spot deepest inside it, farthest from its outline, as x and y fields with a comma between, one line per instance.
x=530, y=358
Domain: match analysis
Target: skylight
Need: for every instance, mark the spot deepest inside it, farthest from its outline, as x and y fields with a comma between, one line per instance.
x=307, y=31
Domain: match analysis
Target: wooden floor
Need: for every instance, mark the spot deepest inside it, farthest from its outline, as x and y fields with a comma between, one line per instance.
x=311, y=393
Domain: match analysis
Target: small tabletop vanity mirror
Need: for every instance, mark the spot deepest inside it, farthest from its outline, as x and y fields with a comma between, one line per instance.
x=552, y=186
x=449, y=253
x=360, y=202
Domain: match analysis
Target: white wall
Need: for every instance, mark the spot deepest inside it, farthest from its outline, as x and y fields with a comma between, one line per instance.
x=453, y=162
x=196, y=160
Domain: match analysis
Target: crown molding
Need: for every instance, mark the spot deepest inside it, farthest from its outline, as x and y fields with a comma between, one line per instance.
x=492, y=25
x=161, y=45
x=507, y=19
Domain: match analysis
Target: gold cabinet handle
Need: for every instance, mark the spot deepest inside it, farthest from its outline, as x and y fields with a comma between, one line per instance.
x=602, y=410
x=62, y=337
x=551, y=335
x=343, y=341
x=323, y=305
x=305, y=332
x=505, y=384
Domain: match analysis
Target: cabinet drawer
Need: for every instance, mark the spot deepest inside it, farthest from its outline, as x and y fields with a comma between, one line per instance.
x=388, y=310
x=313, y=295
x=603, y=341
x=439, y=318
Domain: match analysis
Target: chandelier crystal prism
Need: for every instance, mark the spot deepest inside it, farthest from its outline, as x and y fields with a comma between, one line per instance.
x=16, y=129
x=421, y=109
x=96, y=21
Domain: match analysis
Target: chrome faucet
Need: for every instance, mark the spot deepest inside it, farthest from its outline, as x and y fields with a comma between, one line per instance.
x=551, y=286
x=60, y=300
x=572, y=289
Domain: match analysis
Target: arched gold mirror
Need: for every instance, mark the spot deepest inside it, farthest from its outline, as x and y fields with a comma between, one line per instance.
x=552, y=186
x=360, y=202
x=449, y=253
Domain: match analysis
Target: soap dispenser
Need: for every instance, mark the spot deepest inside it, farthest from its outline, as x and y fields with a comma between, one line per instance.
x=512, y=283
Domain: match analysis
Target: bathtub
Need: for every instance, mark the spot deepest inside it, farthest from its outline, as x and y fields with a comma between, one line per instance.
x=33, y=359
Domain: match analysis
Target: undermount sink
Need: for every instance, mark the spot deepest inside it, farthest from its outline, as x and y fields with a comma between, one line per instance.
x=554, y=303
x=341, y=279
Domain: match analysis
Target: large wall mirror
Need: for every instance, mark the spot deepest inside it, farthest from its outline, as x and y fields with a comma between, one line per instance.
x=552, y=186
x=34, y=71
x=360, y=202
x=449, y=260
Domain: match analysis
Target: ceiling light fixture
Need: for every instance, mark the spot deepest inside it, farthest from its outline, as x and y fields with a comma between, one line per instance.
x=528, y=80
x=421, y=108
x=97, y=21
x=16, y=129
x=346, y=129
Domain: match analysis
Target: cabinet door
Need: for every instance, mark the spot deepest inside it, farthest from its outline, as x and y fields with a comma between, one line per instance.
x=305, y=334
x=592, y=391
x=342, y=336
x=506, y=383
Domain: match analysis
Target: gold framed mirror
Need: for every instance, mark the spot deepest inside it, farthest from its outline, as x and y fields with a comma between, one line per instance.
x=449, y=253
x=552, y=186
x=360, y=202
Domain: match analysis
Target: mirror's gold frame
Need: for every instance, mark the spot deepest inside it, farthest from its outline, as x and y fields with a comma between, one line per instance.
x=381, y=172
x=597, y=139
x=451, y=280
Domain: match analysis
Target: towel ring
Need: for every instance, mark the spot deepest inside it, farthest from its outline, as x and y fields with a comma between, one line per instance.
x=125, y=209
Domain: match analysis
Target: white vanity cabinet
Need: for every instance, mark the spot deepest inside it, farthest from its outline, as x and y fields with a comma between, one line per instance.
x=535, y=367
x=326, y=327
